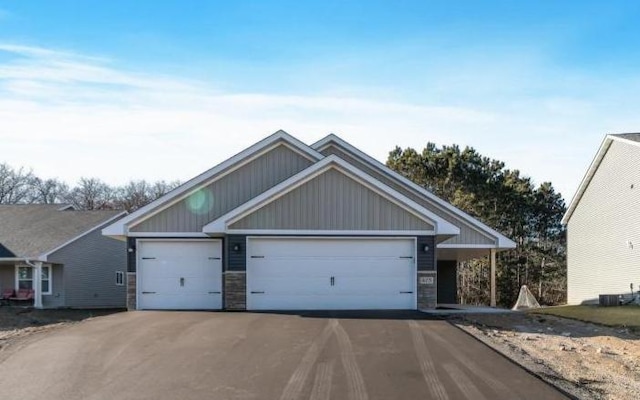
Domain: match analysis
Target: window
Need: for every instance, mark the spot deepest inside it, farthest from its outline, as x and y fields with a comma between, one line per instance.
x=119, y=278
x=24, y=278
x=46, y=280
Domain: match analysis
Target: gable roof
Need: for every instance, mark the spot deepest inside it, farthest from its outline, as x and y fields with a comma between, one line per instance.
x=627, y=138
x=332, y=139
x=120, y=227
x=35, y=230
x=220, y=225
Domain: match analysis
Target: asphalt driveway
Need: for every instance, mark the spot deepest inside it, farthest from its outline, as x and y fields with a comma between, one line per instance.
x=201, y=355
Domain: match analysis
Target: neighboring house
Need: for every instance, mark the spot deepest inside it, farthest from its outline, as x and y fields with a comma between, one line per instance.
x=78, y=267
x=283, y=225
x=603, y=223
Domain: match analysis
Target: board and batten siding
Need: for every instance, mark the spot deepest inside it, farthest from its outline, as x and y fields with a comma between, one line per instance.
x=90, y=264
x=332, y=201
x=603, y=233
x=468, y=234
x=228, y=192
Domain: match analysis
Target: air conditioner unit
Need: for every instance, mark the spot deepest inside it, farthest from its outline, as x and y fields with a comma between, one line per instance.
x=609, y=300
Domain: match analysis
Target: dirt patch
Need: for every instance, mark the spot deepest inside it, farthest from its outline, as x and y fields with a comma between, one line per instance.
x=20, y=323
x=587, y=360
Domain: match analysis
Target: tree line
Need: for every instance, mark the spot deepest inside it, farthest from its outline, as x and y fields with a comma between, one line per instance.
x=22, y=186
x=507, y=201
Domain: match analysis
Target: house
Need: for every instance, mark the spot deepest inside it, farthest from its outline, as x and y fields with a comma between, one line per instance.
x=603, y=223
x=78, y=266
x=284, y=225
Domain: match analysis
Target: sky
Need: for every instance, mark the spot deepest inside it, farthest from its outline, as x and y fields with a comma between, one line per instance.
x=154, y=90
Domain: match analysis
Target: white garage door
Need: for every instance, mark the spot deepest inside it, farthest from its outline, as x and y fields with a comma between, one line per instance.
x=330, y=274
x=180, y=275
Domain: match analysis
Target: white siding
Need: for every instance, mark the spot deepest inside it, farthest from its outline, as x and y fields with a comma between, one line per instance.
x=603, y=252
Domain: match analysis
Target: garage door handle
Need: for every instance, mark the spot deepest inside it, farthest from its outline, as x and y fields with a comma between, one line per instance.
x=406, y=292
x=214, y=292
x=214, y=258
x=254, y=292
x=257, y=256
x=148, y=292
x=148, y=258
x=407, y=257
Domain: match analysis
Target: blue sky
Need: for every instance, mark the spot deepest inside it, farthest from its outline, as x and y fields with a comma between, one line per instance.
x=165, y=90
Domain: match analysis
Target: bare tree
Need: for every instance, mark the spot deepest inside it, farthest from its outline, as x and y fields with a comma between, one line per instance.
x=133, y=195
x=92, y=194
x=160, y=188
x=48, y=191
x=136, y=194
x=15, y=185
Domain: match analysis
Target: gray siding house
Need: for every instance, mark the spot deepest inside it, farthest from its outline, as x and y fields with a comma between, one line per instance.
x=78, y=267
x=603, y=223
x=285, y=225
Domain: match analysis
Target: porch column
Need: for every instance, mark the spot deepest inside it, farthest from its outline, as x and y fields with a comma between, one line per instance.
x=37, y=284
x=492, y=258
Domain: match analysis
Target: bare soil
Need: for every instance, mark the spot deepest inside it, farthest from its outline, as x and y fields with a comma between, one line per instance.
x=20, y=323
x=586, y=360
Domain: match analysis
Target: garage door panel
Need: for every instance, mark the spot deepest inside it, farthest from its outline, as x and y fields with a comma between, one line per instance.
x=291, y=273
x=336, y=302
x=343, y=247
x=180, y=275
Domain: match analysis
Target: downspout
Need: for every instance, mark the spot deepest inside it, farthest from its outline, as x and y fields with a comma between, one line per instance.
x=37, y=283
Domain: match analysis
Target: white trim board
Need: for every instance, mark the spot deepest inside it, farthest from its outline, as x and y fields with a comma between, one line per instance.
x=160, y=235
x=307, y=234
x=120, y=228
x=332, y=139
x=220, y=225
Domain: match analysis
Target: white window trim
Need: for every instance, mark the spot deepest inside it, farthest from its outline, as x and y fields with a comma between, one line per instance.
x=49, y=267
x=122, y=274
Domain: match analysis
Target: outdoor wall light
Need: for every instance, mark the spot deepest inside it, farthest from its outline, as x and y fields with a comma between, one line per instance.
x=236, y=247
x=131, y=249
x=425, y=248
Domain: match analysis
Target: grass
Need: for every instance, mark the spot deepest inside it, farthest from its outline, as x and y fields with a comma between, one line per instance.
x=623, y=316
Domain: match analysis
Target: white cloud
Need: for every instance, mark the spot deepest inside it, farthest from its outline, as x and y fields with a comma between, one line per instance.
x=70, y=115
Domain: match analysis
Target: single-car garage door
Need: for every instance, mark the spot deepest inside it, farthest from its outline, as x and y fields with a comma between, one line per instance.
x=330, y=273
x=180, y=274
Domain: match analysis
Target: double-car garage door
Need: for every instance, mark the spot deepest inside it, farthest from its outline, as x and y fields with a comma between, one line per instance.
x=282, y=274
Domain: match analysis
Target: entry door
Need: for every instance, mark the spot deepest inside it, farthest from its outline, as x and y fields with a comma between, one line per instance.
x=180, y=275
x=330, y=273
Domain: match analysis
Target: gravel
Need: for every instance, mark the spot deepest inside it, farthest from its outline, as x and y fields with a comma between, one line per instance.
x=586, y=360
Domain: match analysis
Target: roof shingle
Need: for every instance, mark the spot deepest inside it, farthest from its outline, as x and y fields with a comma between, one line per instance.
x=30, y=230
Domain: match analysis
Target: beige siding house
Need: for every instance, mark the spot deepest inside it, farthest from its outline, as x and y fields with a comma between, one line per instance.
x=603, y=223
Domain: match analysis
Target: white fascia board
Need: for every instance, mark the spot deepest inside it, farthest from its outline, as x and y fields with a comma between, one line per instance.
x=120, y=228
x=324, y=233
x=168, y=235
x=44, y=256
x=503, y=241
x=221, y=224
x=593, y=167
